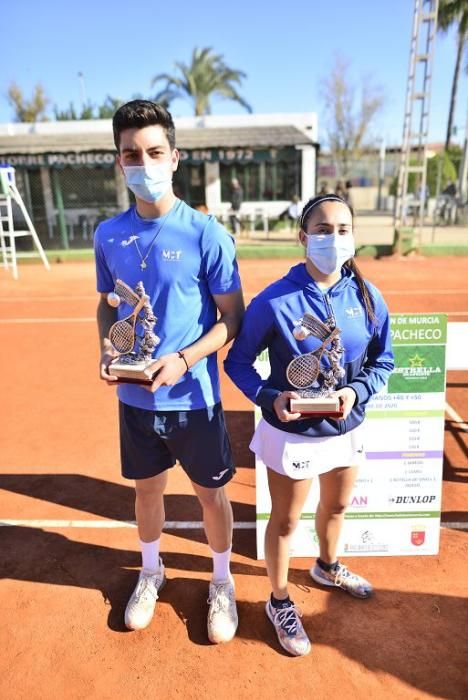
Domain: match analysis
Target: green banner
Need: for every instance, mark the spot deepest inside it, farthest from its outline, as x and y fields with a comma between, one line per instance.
x=382, y=515
x=418, y=329
x=418, y=369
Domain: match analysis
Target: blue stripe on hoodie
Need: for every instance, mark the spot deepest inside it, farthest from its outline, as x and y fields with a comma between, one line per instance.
x=268, y=323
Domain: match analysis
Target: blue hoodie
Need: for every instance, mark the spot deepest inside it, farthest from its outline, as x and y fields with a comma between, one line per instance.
x=269, y=322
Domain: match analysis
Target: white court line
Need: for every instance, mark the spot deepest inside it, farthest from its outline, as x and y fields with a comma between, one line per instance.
x=455, y=526
x=92, y=319
x=170, y=525
x=95, y=297
x=456, y=418
x=416, y=292
x=89, y=319
x=82, y=319
x=110, y=524
x=33, y=297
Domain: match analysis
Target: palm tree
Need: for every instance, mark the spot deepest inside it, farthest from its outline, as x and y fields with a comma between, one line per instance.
x=454, y=12
x=206, y=76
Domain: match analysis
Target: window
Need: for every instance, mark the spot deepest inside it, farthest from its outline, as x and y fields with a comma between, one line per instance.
x=264, y=180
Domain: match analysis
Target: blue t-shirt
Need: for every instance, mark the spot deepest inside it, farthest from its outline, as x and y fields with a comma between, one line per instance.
x=191, y=259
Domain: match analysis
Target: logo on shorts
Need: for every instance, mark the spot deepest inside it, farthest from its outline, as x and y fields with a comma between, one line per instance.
x=301, y=465
x=220, y=475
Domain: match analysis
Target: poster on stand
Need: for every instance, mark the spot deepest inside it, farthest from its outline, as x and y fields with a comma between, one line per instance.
x=396, y=500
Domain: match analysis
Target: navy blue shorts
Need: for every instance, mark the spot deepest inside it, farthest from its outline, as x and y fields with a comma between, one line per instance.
x=152, y=441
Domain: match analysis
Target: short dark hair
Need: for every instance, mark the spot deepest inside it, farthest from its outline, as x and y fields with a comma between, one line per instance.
x=140, y=113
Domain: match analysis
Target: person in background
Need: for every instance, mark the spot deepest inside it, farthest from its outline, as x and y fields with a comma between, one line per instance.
x=293, y=211
x=349, y=193
x=340, y=190
x=324, y=189
x=237, y=196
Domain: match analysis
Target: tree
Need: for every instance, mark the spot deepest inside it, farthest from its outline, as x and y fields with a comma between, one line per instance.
x=454, y=12
x=441, y=165
x=89, y=111
x=348, y=117
x=206, y=76
x=32, y=110
x=109, y=107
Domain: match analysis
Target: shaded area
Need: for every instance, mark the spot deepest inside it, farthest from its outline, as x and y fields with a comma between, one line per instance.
x=418, y=638
x=105, y=498
x=241, y=426
x=455, y=516
x=33, y=554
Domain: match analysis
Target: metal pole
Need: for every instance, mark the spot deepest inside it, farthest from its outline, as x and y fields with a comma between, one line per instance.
x=463, y=172
x=60, y=209
x=84, y=98
x=381, y=174
x=437, y=192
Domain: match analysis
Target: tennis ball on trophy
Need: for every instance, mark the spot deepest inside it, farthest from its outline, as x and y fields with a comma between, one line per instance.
x=113, y=299
x=300, y=333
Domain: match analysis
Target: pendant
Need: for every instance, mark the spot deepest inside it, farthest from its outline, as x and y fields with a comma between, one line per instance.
x=143, y=265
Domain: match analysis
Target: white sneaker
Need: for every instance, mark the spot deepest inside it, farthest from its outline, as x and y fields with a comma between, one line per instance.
x=287, y=623
x=140, y=608
x=222, y=614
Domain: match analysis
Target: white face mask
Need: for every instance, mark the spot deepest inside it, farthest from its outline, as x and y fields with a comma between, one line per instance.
x=329, y=251
x=149, y=182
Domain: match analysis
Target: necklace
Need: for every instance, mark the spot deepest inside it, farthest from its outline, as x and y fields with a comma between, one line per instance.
x=143, y=259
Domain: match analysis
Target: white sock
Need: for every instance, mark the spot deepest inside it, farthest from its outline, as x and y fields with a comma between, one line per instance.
x=150, y=554
x=221, y=564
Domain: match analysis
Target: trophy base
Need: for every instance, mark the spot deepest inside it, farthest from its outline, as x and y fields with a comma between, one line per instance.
x=138, y=372
x=320, y=406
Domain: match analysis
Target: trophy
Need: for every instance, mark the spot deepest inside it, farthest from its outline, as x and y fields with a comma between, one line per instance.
x=314, y=383
x=135, y=363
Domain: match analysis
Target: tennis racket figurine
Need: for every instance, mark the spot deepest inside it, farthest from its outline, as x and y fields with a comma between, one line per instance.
x=133, y=337
x=315, y=374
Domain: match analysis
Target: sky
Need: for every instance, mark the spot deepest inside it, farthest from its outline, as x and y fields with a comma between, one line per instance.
x=285, y=48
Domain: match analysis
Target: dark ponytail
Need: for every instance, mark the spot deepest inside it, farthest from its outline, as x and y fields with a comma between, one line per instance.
x=350, y=264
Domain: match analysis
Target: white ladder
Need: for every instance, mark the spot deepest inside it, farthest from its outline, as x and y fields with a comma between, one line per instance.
x=416, y=121
x=8, y=234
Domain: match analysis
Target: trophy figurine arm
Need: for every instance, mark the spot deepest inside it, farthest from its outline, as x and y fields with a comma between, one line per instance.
x=106, y=317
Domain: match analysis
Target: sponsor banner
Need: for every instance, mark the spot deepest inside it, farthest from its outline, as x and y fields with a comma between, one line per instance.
x=419, y=369
x=395, y=504
x=60, y=160
x=411, y=535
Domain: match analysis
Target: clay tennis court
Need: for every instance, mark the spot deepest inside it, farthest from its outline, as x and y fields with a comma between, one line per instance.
x=70, y=562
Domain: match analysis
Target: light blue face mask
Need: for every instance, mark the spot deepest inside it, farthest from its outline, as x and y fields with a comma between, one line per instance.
x=149, y=182
x=329, y=251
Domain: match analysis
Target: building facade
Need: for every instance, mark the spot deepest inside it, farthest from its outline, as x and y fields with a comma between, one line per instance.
x=67, y=174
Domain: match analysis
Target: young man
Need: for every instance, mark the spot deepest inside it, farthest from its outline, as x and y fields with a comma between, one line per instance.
x=186, y=261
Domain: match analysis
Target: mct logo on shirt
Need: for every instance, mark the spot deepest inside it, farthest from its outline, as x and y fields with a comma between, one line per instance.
x=172, y=255
x=353, y=311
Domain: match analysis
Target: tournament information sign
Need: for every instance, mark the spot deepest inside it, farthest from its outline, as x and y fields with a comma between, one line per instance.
x=396, y=501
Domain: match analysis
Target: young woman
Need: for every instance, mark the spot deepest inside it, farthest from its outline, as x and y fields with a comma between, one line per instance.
x=329, y=287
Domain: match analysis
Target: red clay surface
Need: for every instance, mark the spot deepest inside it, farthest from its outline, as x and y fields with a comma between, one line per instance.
x=63, y=591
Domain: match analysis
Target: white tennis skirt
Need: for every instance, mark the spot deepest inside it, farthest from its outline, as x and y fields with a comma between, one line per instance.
x=303, y=457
